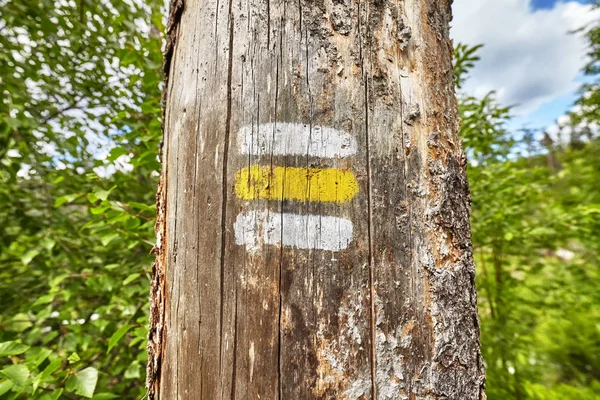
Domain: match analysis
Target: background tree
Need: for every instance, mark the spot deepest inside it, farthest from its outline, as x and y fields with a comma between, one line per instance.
x=79, y=129
x=535, y=234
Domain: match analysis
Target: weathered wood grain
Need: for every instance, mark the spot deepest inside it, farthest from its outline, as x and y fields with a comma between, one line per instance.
x=270, y=287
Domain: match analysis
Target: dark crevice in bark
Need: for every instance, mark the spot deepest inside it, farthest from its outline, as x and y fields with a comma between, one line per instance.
x=235, y=344
x=225, y=181
x=177, y=380
x=198, y=151
x=371, y=254
x=280, y=277
x=196, y=205
x=372, y=311
x=171, y=32
x=175, y=12
x=217, y=33
x=268, y=24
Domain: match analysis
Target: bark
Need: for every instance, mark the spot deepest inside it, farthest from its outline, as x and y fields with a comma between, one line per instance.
x=313, y=213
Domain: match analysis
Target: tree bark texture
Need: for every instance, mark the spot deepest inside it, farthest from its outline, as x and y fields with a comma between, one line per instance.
x=313, y=236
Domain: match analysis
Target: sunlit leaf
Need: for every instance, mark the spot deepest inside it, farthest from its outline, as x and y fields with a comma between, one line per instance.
x=17, y=374
x=12, y=348
x=118, y=335
x=83, y=382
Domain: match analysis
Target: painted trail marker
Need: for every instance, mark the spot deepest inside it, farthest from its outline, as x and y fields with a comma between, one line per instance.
x=292, y=230
x=288, y=139
x=325, y=185
x=293, y=183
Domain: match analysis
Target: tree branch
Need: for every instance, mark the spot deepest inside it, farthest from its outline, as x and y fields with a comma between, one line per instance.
x=73, y=105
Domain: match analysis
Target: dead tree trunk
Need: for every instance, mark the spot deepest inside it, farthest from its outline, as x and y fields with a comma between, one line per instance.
x=313, y=214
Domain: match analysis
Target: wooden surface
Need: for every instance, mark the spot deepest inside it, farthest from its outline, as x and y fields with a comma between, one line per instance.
x=313, y=227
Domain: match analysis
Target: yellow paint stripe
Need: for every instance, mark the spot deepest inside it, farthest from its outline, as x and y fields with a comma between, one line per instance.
x=328, y=185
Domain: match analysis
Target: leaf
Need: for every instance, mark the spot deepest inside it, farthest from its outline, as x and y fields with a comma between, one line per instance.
x=12, y=348
x=20, y=322
x=17, y=374
x=74, y=358
x=48, y=243
x=102, y=194
x=92, y=198
x=45, y=299
x=130, y=279
x=37, y=355
x=84, y=382
x=29, y=256
x=115, y=205
x=591, y=210
x=53, y=366
x=116, y=153
x=68, y=198
x=114, y=339
x=52, y=396
x=107, y=238
x=105, y=396
x=98, y=210
x=50, y=337
x=5, y=386
x=142, y=206
x=132, y=224
x=133, y=371
x=55, y=282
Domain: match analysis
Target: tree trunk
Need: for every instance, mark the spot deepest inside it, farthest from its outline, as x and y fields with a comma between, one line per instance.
x=313, y=212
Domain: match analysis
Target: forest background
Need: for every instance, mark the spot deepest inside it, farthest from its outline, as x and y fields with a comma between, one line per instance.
x=80, y=107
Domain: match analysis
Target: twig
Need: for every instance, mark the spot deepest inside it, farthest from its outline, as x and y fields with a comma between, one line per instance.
x=60, y=111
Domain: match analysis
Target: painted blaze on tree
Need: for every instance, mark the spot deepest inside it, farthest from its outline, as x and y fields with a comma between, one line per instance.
x=313, y=221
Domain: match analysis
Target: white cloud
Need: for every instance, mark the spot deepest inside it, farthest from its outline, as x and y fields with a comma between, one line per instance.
x=530, y=57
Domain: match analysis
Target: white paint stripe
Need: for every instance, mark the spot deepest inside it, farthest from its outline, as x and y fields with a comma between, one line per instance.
x=255, y=228
x=283, y=138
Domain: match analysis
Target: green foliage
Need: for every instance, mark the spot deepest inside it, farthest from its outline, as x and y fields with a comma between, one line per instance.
x=535, y=234
x=464, y=60
x=483, y=130
x=79, y=135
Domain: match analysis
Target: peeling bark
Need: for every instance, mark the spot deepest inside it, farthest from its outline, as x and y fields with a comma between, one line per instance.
x=157, y=284
x=355, y=284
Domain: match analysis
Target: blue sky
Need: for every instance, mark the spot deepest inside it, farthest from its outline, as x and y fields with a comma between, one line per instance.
x=540, y=4
x=529, y=57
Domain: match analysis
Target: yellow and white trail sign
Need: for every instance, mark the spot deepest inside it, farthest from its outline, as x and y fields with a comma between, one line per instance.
x=254, y=228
